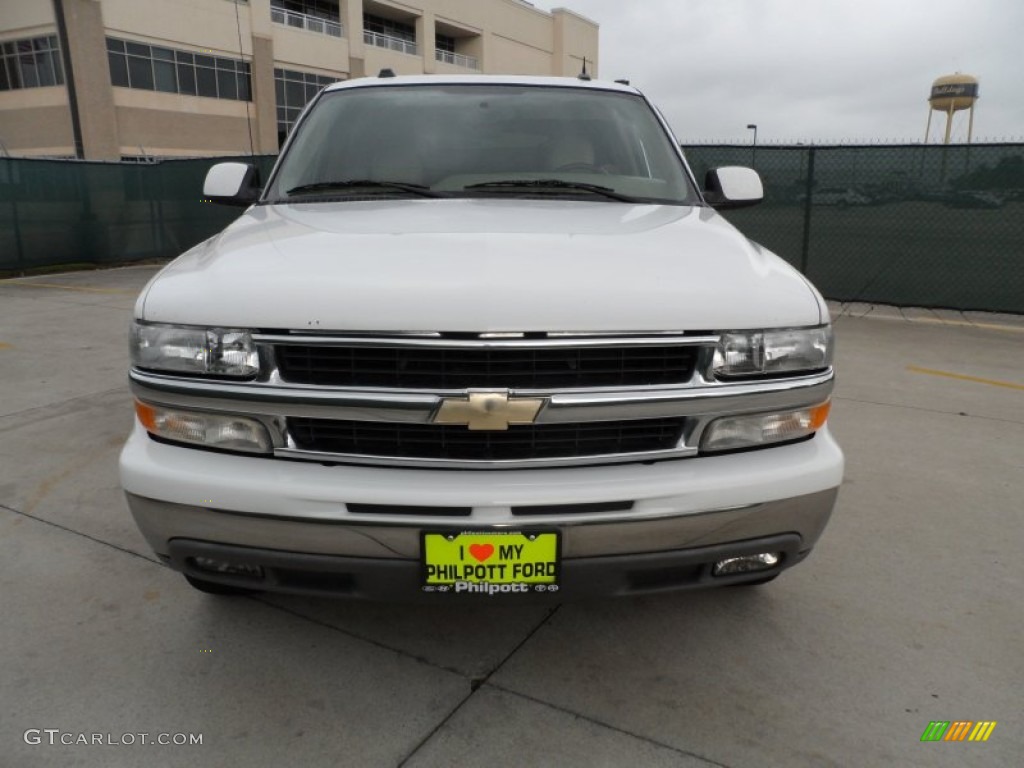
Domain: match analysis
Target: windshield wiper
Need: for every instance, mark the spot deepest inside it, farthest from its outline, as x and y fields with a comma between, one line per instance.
x=557, y=184
x=326, y=186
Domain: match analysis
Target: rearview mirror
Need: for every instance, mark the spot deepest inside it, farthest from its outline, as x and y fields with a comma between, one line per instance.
x=232, y=184
x=733, y=187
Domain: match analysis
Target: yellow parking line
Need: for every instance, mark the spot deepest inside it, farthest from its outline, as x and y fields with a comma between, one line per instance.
x=961, y=377
x=4, y=345
x=82, y=288
x=938, y=321
x=969, y=324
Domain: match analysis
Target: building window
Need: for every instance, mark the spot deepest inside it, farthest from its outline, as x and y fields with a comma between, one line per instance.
x=154, y=68
x=294, y=90
x=444, y=50
x=445, y=43
x=31, y=63
x=390, y=34
x=319, y=9
x=311, y=15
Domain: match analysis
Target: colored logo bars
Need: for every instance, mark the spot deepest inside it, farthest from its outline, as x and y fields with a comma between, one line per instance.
x=958, y=730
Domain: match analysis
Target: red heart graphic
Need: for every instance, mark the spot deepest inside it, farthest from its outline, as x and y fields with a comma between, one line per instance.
x=481, y=551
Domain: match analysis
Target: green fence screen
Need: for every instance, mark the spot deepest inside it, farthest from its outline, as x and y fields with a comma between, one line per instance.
x=909, y=225
x=913, y=225
x=69, y=213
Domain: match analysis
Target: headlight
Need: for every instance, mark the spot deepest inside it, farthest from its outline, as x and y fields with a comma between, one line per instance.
x=761, y=353
x=758, y=429
x=210, y=430
x=202, y=351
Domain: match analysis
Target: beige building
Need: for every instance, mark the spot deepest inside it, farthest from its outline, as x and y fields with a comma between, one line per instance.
x=112, y=79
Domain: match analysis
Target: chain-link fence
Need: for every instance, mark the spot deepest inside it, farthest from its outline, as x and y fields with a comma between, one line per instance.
x=916, y=225
x=69, y=213
x=909, y=225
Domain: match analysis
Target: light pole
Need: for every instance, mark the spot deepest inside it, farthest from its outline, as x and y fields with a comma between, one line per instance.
x=753, y=149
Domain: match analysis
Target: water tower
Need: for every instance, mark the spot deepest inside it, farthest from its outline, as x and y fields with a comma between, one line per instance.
x=950, y=94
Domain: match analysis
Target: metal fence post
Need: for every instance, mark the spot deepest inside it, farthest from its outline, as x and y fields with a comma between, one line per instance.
x=808, y=190
x=17, y=236
x=9, y=177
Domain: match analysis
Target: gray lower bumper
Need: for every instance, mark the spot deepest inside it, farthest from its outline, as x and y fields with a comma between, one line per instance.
x=381, y=560
x=582, y=535
x=400, y=580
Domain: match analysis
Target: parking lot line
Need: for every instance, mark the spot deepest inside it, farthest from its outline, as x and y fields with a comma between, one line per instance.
x=969, y=324
x=962, y=377
x=4, y=345
x=58, y=286
x=897, y=315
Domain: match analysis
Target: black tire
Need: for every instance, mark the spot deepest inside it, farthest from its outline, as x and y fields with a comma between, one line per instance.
x=213, y=588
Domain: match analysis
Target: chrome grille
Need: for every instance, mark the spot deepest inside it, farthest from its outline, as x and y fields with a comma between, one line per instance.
x=372, y=398
x=510, y=367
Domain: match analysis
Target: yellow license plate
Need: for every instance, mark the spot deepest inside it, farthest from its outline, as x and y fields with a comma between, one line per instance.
x=490, y=563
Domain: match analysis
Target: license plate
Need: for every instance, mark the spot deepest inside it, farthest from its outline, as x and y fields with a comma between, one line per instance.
x=490, y=563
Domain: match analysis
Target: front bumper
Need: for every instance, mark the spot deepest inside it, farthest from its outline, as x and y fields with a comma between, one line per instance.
x=400, y=580
x=295, y=517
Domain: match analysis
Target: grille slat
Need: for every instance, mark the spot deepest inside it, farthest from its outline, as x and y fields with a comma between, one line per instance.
x=458, y=368
x=520, y=442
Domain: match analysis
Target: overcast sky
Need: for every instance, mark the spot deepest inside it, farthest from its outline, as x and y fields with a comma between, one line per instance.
x=814, y=70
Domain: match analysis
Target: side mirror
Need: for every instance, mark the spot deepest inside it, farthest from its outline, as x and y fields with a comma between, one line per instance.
x=733, y=187
x=232, y=184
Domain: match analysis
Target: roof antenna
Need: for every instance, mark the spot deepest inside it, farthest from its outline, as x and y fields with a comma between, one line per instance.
x=584, y=75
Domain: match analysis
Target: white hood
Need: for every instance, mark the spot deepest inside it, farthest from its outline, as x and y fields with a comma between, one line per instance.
x=477, y=266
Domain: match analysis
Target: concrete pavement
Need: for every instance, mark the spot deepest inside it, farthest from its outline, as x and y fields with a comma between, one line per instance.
x=908, y=611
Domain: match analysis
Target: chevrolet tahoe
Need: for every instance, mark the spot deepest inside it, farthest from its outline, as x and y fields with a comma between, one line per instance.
x=480, y=337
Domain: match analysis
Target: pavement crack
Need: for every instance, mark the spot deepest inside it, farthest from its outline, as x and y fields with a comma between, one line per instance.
x=355, y=635
x=66, y=529
x=55, y=409
x=928, y=410
x=609, y=726
x=475, y=685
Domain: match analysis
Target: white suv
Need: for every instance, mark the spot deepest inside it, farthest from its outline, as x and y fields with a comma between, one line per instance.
x=480, y=336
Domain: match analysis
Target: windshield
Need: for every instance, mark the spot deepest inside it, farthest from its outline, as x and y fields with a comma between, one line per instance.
x=481, y=141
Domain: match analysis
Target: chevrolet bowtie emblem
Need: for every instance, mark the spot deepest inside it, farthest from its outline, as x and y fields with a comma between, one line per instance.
x=488, y=411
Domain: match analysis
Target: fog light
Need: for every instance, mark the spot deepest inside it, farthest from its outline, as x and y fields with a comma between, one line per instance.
x=226, y=568
x=746, y=564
